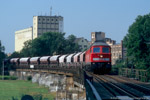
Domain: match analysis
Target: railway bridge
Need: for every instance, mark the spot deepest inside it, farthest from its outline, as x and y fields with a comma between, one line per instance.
x=67, y=83
x=70, y=84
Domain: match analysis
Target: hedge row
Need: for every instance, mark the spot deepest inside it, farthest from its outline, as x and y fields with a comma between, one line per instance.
x=8, y=77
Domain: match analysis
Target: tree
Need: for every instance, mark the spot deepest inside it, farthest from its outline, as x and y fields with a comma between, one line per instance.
x=15, y=55
x=2, y=55
x=48, y=44
x=27, y=49
x=71, y=46
x=2, y=48
x=136, y=42
x=71, y=38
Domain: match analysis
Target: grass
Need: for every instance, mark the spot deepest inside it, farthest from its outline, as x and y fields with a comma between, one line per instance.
x=17, y=88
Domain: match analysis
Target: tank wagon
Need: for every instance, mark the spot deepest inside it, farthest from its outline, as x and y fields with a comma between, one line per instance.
x=96, y=59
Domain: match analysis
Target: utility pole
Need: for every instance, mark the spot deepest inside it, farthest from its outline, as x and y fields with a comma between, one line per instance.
x=3, y=70
x=66, y=87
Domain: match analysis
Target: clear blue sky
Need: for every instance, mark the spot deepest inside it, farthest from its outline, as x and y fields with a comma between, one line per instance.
x=81, y=17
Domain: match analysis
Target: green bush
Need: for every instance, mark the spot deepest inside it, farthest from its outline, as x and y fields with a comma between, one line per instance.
x=38, y=97
x=8, y=77
x=114, y=70
x=13, y=78
x=29, y=78
x=13, y=98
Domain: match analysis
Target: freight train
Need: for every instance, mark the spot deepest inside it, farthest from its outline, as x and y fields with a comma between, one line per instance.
x=96, y=59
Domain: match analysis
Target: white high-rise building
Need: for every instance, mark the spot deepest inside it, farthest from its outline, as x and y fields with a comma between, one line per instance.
x=41, y=24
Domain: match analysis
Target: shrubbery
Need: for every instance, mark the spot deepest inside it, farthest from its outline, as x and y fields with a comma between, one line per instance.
x=8, y=77
x=29, y=78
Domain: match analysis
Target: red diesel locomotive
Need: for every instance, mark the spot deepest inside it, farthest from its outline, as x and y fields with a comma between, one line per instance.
x=98, y=58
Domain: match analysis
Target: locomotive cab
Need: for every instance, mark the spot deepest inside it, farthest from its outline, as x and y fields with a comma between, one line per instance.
x=98, y=58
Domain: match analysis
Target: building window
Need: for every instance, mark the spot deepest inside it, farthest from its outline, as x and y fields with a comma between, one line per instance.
x=93, y=35
x=82, y=41
x=85, y=46
x=43, y=19
x=80, y=46
x=47, y=19
x=114, y=54
x=39, y=19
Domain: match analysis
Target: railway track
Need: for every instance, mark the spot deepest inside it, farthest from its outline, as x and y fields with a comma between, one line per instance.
x=121, y=89
x=141, y=88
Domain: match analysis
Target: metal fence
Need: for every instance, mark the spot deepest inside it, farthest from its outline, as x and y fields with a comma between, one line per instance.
x=141, y=75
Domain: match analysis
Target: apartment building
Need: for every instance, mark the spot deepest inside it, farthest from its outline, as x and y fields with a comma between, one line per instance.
x=83, y=43
x=110, y=42
x=118, y=52
x=41, y=24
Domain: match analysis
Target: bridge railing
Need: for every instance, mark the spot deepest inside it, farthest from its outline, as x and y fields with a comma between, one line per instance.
x=91, y=92
x=94, y=95
x=141, y=75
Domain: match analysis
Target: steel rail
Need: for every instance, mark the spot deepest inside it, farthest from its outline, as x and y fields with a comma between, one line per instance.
x=94, y=90
x=133, y=84
x=117, y=87
x=104, y=86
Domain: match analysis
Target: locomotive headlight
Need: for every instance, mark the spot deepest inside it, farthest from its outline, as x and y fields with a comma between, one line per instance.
x=101, y=56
